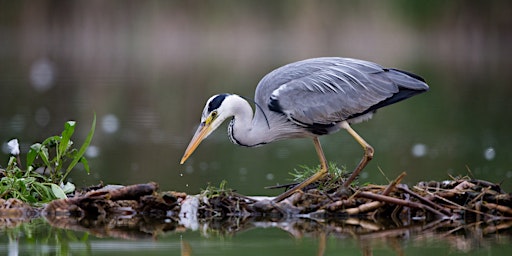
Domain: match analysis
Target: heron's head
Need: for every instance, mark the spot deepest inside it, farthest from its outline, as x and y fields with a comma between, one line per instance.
x=214, y=113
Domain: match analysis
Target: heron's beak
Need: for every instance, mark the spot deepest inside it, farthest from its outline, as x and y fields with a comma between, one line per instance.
x=202, y=132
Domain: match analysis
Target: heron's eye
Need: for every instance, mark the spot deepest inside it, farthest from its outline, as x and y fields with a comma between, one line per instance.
x=211, y=117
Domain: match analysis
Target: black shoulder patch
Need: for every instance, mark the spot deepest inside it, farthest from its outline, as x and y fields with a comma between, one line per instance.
x=275, y=106
x=215, y=102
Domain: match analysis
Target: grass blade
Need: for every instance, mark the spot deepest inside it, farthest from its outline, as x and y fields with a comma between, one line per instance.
x=85, y=163
x=82, y=150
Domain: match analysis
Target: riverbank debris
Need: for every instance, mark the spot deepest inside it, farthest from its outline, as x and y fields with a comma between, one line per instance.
x=369, y=211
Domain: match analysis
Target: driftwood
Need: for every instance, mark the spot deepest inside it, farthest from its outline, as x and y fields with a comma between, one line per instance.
x=367, y=212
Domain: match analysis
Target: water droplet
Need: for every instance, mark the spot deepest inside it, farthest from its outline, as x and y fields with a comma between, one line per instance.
x=489, y=153
x=186, y=185
x=181, y=174
x=419, y=150
x=269, y=176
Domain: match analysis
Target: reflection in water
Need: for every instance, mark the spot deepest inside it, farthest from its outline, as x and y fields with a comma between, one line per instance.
x=369, y=235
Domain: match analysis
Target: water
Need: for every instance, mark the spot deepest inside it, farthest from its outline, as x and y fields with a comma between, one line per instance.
x=255, y=239
x=147, y=68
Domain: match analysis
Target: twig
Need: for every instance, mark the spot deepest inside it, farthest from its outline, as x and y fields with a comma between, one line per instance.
x=392, y=200
x=460, y=207
x=501, y=208
x=370, y=206
x=393, y=184
x=425, y=200
x=482, y=193
x=375, y=204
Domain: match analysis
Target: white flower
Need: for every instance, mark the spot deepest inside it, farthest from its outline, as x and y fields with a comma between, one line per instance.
x=14, y=147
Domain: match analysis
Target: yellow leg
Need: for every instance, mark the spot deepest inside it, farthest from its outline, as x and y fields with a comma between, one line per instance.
x=368, y=153
x=313, y=178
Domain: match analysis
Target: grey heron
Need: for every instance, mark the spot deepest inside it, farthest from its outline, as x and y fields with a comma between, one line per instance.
x=307, y=99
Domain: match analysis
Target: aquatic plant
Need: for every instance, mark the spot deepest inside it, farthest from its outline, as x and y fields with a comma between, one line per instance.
x=48, y=165
x=331, y=180
x=211, y=191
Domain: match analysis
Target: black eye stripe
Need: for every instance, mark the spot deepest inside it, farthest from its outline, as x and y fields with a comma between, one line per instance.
x=216, y=102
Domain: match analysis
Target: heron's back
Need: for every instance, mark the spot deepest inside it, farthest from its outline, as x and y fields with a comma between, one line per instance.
x=321, y=92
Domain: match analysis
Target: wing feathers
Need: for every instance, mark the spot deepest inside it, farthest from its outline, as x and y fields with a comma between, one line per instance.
x=329, y=90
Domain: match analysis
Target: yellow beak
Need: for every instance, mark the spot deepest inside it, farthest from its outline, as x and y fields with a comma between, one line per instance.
x=202, y=132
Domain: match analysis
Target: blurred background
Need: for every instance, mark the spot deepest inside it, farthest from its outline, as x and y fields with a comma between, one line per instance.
x=146, y=69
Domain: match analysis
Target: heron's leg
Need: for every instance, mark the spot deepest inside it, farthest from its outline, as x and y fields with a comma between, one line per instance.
x=368, y=153
x=313, y=178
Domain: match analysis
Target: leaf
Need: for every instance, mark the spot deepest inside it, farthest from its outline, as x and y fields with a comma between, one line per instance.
x=32, y=153
x=82, y=149
x=68, y=187
x=58, y=192
x=69, y=129
x=44, y=192
x=43, y=153
x=85, y=163
x=51, y=141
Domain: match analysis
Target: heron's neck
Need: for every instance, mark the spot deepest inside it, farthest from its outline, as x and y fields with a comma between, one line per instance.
x=247, y=129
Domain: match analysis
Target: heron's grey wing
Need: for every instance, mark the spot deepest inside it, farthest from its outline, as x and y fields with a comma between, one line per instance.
x=324, y=91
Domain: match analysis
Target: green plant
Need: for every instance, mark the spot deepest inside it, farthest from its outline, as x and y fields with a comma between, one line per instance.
x=56, y=150
x=55, y=157
x=333, y=178
x=211, y=191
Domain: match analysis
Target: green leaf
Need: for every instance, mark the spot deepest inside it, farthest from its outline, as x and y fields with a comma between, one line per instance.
x=51, y=141
x=43, y=153
x=32, y=153
x=58, y=192
x=44, y=192
x=68, y=187
x=85, y=163
x=69, y=129
x=82, y=149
